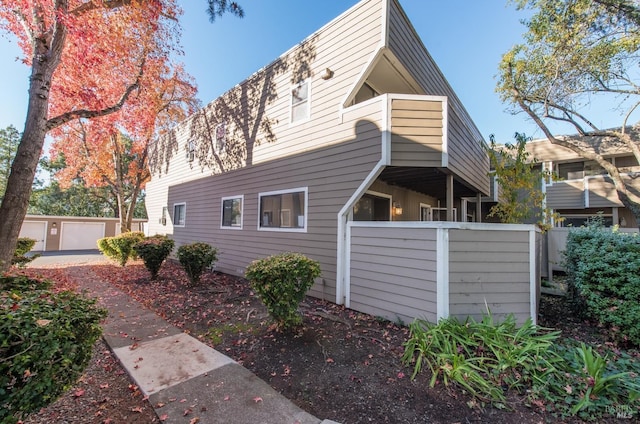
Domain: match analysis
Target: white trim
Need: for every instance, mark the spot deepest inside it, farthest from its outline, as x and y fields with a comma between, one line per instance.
x=386, y=131
x=173, y=215
x=533, y=286
x=302, y=229
x=293, y=123
x=479, y=226
x=445, y=132
x=343, y=217
x=442, y=273
x=231, y=227
x=586, y=192
x=347, y=277
x=384, y=39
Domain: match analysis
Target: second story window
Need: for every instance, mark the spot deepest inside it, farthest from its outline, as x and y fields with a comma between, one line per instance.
x=191, y=151
x=221, y=130
x=300, y=108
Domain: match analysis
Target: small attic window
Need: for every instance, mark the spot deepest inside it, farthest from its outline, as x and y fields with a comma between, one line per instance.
x=221, y=131
x=300, y=109
x=365, y=93
x=191, y=151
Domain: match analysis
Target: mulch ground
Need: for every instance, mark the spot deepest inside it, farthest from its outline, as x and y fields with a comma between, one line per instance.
x=340, y=365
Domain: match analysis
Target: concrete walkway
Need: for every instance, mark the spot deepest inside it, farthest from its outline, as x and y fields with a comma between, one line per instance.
x=184, y=378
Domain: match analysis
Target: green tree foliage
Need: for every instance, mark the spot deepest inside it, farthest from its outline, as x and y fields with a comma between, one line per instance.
x=519, y=178
x=9, y=141
x=579, y=54
x=281, y=281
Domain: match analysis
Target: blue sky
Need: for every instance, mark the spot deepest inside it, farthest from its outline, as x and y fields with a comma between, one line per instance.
x=466, y=38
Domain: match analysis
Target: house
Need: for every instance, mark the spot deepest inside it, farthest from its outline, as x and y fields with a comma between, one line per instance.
x=583, y=190
x=353, y=149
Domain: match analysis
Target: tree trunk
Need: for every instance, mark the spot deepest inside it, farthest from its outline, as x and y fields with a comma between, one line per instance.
x=23, y=170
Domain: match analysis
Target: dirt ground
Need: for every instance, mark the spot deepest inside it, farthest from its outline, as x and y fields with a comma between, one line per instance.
x=341, y=365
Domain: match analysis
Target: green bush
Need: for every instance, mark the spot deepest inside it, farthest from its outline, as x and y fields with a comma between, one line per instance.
x=281, y=282
x=46, y=341
x=120, y=248
x=23, y=247
x=153, y=251
x=604, y=282
x=195, y=258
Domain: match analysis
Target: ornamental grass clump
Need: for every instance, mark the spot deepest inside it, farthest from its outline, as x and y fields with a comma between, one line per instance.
x=46, y=342
x=196, y=258
x=120, y=247
x=153, y=251
x=281, y=282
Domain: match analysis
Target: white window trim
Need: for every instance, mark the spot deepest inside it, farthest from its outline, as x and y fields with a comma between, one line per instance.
x=217, y=148
x=191, y=151
x=308, y=118
x=226, y=227
x=285, y=229
x=174, y=214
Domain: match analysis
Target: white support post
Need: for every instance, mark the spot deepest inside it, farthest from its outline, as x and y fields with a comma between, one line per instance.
x=442, y=273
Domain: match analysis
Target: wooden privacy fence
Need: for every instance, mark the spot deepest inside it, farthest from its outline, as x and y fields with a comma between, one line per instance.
x=407, y=270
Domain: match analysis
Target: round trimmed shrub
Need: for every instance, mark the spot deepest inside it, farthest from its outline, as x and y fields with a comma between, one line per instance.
x=120, y=247
x=195, y=258
x=281, y=282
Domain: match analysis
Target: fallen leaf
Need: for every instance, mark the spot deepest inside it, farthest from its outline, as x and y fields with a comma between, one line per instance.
x=136, y=409
x=227, y=397
x=78, y=393
x=330, y=361
x=257, y=399
x=187, y=412
x=163, y=417
x=401, y=374
x=194, y=420
x=104, y=386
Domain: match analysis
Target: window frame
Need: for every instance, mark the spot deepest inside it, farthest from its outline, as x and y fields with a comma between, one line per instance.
x=308, y=102
x=184, y=223
x=232, y=227
x=302, y=229
x=191, y=151
x=220, y=136
x=379, y=195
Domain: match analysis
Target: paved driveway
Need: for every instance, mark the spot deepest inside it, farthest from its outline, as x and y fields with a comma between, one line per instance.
x=67, y=257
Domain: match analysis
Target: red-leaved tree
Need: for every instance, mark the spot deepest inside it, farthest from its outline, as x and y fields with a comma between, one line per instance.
x=87, y=58
x=112, y=151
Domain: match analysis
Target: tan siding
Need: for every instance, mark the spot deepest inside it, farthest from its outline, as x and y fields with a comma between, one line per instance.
x=345, y=45
x=602, y=193
x=393, y=272
x=491, y=267
x=330, y=184
x=466, y=157
x=566, y=195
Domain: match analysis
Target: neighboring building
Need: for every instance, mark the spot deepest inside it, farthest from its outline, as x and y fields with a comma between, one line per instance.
x=355, y=124
x=71, y=232
x=584, y=189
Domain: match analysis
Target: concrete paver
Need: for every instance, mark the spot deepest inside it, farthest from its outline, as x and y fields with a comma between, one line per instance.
x=184, y=378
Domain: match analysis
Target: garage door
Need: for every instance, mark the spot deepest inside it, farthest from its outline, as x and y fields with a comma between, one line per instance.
x=36, y=230
x=80, y=235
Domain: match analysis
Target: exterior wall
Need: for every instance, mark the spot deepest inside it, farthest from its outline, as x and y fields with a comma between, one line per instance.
x=566, y=195
x=489, y=268
x=408, y=199
x=602, y=193
x=417, y=133
x=54, y=227
x=330, y=184
x=466, y=157
x=433, y=270
x=256, y=112
x=393, y=273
